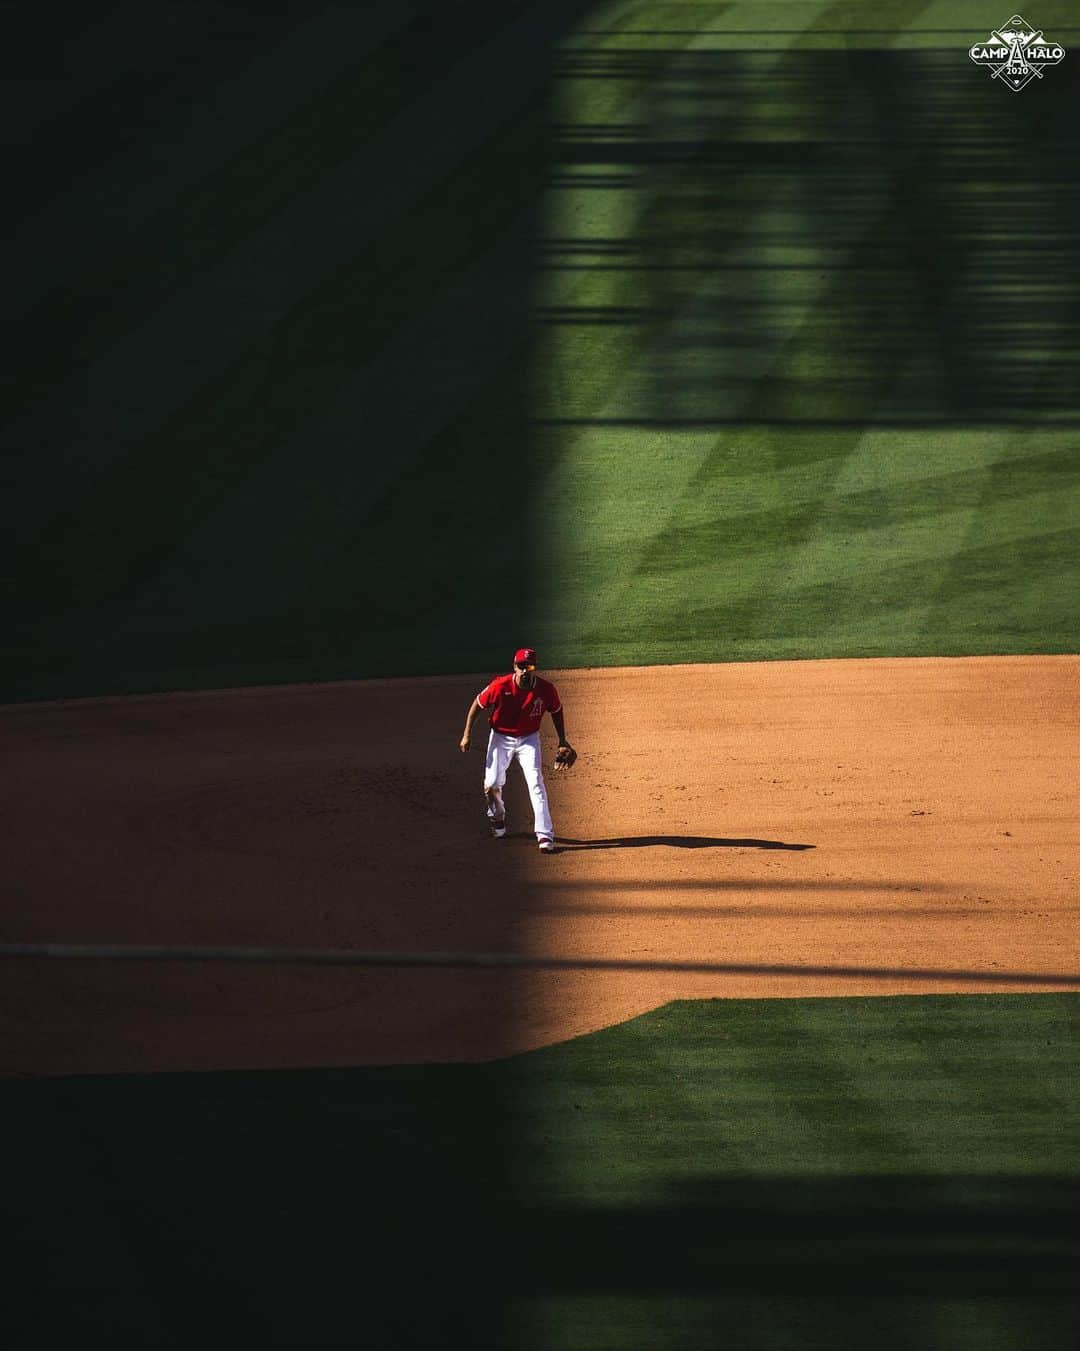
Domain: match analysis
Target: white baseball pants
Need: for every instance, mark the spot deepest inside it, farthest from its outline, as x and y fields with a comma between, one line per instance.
x=502, y=750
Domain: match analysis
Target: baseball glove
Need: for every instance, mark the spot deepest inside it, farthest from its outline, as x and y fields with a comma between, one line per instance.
x=565, y=756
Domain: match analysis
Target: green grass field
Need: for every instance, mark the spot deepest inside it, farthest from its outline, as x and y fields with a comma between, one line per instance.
x=822, y=1173
x=804, y=387
x=819, y=1173
x=651, y=331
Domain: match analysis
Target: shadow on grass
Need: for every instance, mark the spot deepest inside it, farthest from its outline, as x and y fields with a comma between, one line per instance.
x=840, y=1237
x=381, y=1207
x=870, y=268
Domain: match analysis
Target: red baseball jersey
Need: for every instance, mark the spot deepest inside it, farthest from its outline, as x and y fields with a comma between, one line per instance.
x=517, y=712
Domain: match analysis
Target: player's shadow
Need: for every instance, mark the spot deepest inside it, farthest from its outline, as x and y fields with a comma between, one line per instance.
x=675, y=842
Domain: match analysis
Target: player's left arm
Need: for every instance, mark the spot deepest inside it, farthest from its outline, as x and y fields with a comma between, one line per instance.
x=565, y=755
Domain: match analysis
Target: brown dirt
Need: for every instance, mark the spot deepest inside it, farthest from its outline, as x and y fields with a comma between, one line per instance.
x=808, y=828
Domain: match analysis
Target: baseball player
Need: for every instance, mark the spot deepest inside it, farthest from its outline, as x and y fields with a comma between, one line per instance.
x=515, y=705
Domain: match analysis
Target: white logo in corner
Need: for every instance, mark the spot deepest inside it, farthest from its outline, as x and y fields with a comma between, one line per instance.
x=1016, y=53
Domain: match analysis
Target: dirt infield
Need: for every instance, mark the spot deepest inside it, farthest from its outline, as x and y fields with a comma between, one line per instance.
x=806, y=828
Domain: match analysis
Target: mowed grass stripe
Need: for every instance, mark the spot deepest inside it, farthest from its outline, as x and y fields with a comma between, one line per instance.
x=840, y=598
x=913, y=1085
x=876, y=483
x=844, y=534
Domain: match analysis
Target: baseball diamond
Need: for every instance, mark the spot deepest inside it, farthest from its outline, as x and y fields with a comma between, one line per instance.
x=723, y=354
x=821, y=848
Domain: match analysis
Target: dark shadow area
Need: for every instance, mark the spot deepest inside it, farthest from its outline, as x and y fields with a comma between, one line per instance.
x=344, y=1207
x=337, y=1209
x=674, y=842
x=270, y=271
x=832, y=1238
x=195, y=957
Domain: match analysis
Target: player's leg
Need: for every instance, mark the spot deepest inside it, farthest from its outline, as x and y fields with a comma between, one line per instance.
x=528, y=754
x=495, y=766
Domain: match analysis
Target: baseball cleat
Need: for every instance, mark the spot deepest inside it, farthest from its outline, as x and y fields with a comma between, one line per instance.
x=546, y=846
x=498, y=827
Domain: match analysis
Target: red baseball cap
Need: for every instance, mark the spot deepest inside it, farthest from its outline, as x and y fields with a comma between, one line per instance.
x=525, y=656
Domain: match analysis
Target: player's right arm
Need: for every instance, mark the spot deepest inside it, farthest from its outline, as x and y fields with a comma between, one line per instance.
x=474, y=711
